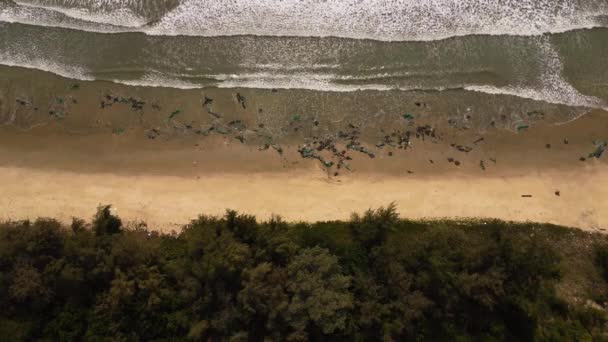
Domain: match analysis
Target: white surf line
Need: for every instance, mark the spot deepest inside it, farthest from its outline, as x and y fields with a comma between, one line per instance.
x=374, y=19
x=123, y=17
x=554, y=88
x=43, y=65
x=552, y=93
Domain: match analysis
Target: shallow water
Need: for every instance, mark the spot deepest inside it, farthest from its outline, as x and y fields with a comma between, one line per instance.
x=548, y=50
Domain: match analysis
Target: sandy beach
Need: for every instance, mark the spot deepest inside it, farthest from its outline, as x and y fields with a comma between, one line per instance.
x=46, y=172
x=167, y=202
x=165, y=156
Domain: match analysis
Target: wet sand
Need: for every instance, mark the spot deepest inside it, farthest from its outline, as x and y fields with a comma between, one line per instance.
x=68, y=166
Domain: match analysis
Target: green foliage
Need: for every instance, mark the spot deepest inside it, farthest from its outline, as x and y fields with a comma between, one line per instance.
x=319, y=292
x=601, y=259
x=104, y=223
x=376, y=277
x=372, y=228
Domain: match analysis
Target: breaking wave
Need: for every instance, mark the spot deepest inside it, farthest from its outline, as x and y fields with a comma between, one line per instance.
x=337, y=65
x=387, y=20
x=560, y=93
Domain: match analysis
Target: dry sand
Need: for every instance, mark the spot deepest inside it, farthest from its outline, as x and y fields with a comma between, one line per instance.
x=166, y=202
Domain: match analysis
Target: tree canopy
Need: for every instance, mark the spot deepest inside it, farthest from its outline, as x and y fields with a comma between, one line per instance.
x=376, y=277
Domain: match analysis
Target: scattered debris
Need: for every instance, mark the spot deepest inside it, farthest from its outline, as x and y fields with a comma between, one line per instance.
x=522, y=127
x=56, y=114
x=536, y=115
x=600, y=147
x=241, y=99
x=153, y=133
x=237, y=125
x=108, y=100
x=408, y=116
x=425, y=131
x=278, y=149
x=461, y=148
x=219, y=129
x=331, y=149
x=356, y=146
x=215, y=115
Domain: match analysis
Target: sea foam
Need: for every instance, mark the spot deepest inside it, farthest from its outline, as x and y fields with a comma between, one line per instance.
x=387, y=20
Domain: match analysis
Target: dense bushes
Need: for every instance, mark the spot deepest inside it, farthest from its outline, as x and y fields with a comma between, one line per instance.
x=374, y=278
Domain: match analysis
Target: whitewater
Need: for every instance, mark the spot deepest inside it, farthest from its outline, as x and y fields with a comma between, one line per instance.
x=426, y=45
x=386, y=20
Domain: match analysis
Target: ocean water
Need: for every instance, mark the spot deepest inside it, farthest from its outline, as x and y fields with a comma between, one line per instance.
x=553, y=51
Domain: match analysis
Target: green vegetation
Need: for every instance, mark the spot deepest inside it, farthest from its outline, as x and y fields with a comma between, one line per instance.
x=376, y=277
